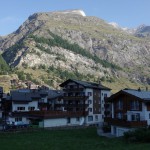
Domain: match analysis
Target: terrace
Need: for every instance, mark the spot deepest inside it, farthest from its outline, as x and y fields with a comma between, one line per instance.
x=50, y=114
x=125, y=123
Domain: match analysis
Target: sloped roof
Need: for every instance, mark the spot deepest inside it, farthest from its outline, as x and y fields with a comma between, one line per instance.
x=145, y=95
x=54, y=93
x=86, y=84
x=20, y=96
x=140, y=94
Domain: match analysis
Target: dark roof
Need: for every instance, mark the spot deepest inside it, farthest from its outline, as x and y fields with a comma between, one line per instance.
x=86, y=84
x=20, y=96
x=55, y=93
x=140, y=94
x=145, y=95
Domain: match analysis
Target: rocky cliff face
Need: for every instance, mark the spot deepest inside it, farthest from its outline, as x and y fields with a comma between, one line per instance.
x=142, y=31
x=98, y=40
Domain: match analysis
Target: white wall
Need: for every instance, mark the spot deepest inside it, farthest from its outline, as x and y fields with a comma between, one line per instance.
x=146, y=113
x=30, y=104
x=119, y=131
x=103, y=92
x=12, y=119
x=57, y=122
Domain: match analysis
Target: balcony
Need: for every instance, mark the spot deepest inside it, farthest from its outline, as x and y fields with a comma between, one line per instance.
x=75, y=98
x=125, y=123
x=49, y=114
x=76, y=105
x=74, y=90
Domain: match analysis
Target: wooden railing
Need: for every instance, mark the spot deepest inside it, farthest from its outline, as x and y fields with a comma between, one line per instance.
x=50, y=114
x=76, y=105
x=75, y=97
x=74, y=90
x=125, y=123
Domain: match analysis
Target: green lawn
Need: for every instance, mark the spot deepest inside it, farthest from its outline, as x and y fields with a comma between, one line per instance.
x=72, y=139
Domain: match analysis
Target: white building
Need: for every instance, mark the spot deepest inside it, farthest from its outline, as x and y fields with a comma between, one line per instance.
x=85, y=97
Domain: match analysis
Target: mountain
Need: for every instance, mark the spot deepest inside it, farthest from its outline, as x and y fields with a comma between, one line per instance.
x=54, y=46
x=142, y=31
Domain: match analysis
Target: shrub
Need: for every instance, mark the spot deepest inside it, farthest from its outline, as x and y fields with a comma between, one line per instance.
x=106, y=128
x=138, y=135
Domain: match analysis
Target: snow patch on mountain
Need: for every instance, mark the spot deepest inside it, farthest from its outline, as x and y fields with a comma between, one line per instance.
x=75, y=11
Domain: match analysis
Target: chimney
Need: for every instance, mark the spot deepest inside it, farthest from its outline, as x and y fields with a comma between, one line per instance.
x=139, y=89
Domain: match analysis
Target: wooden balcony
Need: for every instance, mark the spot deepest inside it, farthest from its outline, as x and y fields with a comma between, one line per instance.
x=77, y=105
x=75, y=98
x=49, y=114
x=74, y=90
x=125, y=123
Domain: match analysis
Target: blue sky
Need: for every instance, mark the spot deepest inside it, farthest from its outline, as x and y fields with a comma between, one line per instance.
x=127, y=13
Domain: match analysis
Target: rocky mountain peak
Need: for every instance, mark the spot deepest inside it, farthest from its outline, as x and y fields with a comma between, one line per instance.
x=142, y=31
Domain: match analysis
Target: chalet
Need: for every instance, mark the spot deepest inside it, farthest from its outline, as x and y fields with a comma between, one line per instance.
x=130, y=110
x=28, y=106
x=86, y=98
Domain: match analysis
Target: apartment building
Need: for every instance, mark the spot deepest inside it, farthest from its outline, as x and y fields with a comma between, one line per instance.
x=85, y=97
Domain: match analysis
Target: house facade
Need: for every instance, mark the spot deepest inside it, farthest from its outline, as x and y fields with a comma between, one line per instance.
x=85, y=97
x=130, y=110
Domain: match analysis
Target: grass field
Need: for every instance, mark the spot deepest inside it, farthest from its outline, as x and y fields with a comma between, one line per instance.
x=72, y=139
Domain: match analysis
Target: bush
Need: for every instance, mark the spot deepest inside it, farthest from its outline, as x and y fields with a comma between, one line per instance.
x=106, y=129
x=139, y=135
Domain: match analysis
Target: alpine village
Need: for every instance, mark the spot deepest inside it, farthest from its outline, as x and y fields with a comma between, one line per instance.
x=64, y=69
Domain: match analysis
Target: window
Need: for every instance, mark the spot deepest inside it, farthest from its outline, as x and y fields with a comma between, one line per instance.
x=119, y=116
x=149, y=116
x=89, y=93
x=68, y=120
x=105, y=95
x=18, y=119
x=135, y=117
x=120, y=105
x=77, y=119
x=90, y=109
x=134, y=105
x=96, y=117
x=31, y=108
x=89, y=101
x=20, y=108
x=90, y=118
